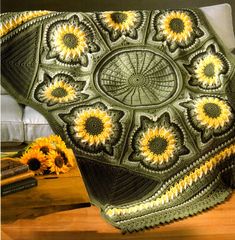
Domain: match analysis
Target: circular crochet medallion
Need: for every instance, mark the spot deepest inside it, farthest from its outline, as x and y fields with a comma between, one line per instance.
x=138, y=77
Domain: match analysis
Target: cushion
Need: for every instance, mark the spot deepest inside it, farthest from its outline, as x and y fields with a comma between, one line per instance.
x=3, y=90
x=35, y=125
x=220, y=18
x=11, y=120
x=144, y=98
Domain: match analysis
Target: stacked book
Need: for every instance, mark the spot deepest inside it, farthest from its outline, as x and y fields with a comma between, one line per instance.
x=15, y=176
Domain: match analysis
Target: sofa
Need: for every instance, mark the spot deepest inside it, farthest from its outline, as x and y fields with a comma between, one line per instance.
x=22, y=124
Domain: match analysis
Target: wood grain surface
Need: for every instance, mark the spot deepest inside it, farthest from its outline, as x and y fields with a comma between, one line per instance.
x=53, y=193
x=87, y=224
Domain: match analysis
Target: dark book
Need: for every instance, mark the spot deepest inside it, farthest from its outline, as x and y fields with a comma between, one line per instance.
x=18, y=186
x=11, y=168
x=8, y=163
x=17, y=178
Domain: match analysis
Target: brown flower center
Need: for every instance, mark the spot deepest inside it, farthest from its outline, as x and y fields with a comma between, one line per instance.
x=59, y=161
x=70, y=40
x=44, y=150
x=94, y=126
x=59, y=92
x=63, y=155
x=158, y=145
x=209, y=70
x=34, y=164
x=119, y=17
x=212, y=110
x=177, y=25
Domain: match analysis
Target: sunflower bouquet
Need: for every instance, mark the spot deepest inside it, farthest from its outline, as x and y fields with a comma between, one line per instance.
x=48, y=155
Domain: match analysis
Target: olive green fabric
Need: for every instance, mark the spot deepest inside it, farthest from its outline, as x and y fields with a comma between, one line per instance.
x=144, y=98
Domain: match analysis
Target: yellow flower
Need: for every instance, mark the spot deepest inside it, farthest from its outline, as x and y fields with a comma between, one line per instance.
x=208, y=70
x=69, y=41
x=56, y=163
x=122, y=21
x=67, y=155
x=36, y=161
x=56, y=141
x=43, y=145
x=157, y=145
x=70, y=156
x=212, y=112
x=59, y=92
x=177, y=26
x=93, y=126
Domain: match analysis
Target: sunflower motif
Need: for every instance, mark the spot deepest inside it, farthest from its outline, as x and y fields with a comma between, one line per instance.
x=94, y=128
x=56, y=163
x=206, y=69
x=122, y=23
x=158, y=144
x=70, y=41
x=59, y=92
x=60, y=89
x=212, y=112
x=36, y=161
x=179, y=28
x=211, y=115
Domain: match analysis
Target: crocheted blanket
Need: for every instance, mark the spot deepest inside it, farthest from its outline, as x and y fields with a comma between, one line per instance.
x=146, y=99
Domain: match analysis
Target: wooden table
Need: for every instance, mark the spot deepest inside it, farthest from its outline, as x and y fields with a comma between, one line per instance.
x=53, y=193
x=86, y=224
